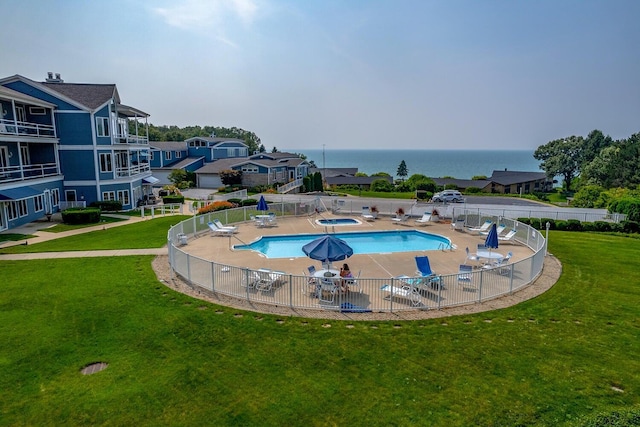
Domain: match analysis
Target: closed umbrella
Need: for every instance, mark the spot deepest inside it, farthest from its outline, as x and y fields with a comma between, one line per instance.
x=327, y=249
x=262, y=204
x=491, y=241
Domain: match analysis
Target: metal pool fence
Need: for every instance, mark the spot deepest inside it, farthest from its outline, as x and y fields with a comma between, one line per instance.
x=366, y=294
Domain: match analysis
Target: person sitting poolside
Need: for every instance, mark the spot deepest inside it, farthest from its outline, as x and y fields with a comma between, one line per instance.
x=345, y=273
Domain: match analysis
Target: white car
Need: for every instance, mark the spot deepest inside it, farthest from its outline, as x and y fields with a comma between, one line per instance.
x=448, y=196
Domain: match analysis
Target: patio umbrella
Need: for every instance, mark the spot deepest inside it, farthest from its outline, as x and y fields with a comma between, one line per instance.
x=327, y=249
x=262, y=204
x=491, y=241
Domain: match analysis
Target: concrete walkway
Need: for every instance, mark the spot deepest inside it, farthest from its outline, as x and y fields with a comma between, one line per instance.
x=83, y=254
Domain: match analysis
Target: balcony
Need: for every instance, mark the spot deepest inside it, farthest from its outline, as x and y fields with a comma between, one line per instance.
x=11, y=127
x=20, y=173
x=131, y=139
x=133, y=170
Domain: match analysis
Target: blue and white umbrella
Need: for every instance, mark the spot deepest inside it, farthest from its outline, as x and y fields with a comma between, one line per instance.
x=262, y=204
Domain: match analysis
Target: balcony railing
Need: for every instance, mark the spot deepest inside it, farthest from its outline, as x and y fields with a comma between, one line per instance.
x=132, y=170
x=17, y=173
x=10, y=127
x=131, y=139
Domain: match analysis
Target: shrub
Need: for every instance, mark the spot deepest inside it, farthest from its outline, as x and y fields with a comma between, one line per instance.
x=629, y=206
x=107, y=205
x=81, y=215
x=249, y=202
x=574, y=225
x=560, y=225
x=526, y=221
x=423, y=195
x=381, y=185
x=218, y=205
x=631, y=227
x=235, y=201
x=172, y=198
x=473, y=190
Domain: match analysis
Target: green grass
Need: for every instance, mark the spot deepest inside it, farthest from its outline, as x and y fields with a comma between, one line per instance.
x=14, y=237
x=59, y=228
x=174, y=360
x=138, y=235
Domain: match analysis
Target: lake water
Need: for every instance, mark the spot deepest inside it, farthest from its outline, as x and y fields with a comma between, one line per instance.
x=461, y=164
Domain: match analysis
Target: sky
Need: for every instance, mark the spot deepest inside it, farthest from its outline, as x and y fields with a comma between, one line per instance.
x=335, y=74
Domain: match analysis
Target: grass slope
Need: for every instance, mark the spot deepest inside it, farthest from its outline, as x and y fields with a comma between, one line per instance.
x=175, y=360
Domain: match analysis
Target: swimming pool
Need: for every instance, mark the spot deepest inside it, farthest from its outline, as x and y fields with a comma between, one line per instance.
x=370, y=242
x=338, y=221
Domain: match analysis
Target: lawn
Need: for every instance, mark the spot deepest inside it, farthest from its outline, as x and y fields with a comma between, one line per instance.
x=569, y=353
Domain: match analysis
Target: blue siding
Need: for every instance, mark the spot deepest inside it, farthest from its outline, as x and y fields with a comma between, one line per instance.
x=74, y=128
x=77, y=165
x=32, y=215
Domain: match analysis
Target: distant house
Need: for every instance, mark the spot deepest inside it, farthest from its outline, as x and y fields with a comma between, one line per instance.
x=169, y=155
x=214, y=148
x=504, y=182
x=335, y=177
x=66, y=143
x=258, y=169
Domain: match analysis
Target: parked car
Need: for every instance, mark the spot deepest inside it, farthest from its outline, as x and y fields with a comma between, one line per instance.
x=448, y=196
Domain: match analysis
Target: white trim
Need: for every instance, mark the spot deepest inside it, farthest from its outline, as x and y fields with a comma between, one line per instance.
x=71, y=111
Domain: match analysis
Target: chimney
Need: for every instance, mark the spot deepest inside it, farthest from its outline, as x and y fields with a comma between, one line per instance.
x=51, y=79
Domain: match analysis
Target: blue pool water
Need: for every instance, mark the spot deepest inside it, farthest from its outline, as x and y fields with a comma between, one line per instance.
x=371, y=242
x=338, y=221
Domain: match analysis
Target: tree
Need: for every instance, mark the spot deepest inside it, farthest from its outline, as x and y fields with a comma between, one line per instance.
x=561, y=157
x=402, y=170
x=179, y=178
x=231, y=177
x=274, y=149
x=593, y=145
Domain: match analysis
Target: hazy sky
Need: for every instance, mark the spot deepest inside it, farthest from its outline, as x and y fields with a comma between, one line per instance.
x=448, y=74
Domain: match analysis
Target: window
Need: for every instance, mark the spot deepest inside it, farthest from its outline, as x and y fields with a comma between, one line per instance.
x=38, y=202
x=105, y=162
x=151, y=155
x=167, y=155
x=108, y=195
x=55, y=196
x=37, y=111
x=197, y=143
x=17, y=209
x=250, y=169
x=123, y=196
x=102, y=126
x=70, y=195
x=178, y=154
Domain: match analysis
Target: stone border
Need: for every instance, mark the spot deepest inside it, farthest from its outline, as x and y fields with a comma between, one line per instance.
x=550, y=274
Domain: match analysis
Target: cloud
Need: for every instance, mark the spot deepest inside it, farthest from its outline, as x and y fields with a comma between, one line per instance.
x=209, y=16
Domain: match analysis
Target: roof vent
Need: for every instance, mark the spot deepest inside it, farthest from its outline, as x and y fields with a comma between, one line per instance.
x=51, y=79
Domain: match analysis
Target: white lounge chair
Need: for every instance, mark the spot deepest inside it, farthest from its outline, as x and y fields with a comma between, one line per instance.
x=484, y=227
x=407, y=292
x=499, y=230
x=221, y=226
x=465, y=276
x=509, y=237
x=366, y=214
x=401, y=219
x=219, y=231
x=471, y=256
x=425, y=220
x=267, y=278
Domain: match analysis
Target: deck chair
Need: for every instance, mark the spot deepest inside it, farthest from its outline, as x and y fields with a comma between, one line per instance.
x=265, y=279
x=501, y=266
x=366, y=214
x=272, y=221
x=509, y=237
x=407, y=292
x=471, y=256
x=259, y=222
x=221, y=226
x=424, y=270
x=499, y=230
x=483, y=228
x=219, y=231
x=328, y=288
x=465, y=275
x=403, y=219
x=352, y=282
x=425, y=220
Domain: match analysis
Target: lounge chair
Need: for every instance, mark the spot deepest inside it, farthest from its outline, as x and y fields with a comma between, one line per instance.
x=499, y=230
x=221, y=226
x=509, y=237
x=458, y=224
x=366, y=214
x=484, y=227
x=219, y=231
x=425, y=220
x=424, y=270
x=267, y=278
x=401, y=219
x=407, y=292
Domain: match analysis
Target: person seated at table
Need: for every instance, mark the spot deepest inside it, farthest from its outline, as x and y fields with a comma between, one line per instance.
x=345, y=273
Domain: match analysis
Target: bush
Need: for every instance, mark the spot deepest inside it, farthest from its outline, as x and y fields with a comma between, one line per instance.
x=381, y=185
x=249, y=202
x=630, y=206
x=574, y=225
x=235, y=201
x=473, y=190
x=526, y=221
x=172, y=198
x=630, y=227
x=107, y=205
x=423, y=195
x=218, y=205
x=81, y=215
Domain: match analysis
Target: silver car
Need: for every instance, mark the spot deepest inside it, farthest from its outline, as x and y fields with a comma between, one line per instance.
x=448, y=196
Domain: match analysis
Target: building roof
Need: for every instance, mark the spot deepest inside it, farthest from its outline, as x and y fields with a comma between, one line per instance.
x=507, y=177
x=462, y=183
x=335, y=171
x=90, y=95
x=354, y=180
x=218, y=165
x=274, y=156
x=181, y=164
x=168, y=145
x=214, y=139
x=19, y=96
